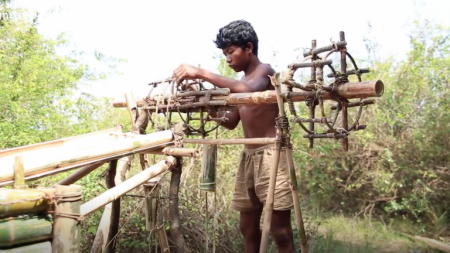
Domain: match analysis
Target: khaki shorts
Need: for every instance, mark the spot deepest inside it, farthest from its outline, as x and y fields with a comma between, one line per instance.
x=252, y=181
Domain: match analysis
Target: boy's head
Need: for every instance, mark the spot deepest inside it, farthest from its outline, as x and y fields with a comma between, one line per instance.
x=238, y=41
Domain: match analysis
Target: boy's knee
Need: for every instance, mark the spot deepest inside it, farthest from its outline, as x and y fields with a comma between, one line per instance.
x=282, y=236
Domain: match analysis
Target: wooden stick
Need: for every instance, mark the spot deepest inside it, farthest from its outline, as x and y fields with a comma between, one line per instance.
x=231, y=141
x=128, y=185
x=67, y=228
x=16, y=231
x=80, y=173
x=25, y=201
x=42, y=247
x=115, y=209
x=19, y=180
x=348, y=90
x=107, y=149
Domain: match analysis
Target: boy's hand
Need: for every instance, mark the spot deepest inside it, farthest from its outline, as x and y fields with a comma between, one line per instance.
x=185, y=72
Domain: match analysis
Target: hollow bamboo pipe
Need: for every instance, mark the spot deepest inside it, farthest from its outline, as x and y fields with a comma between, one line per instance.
x=128, y=185
x=25, y=201
x=115, y=146
x=349, y=90
x=187, y=152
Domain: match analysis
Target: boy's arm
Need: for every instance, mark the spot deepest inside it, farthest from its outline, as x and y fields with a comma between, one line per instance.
x=258, y=81
x=233, y=118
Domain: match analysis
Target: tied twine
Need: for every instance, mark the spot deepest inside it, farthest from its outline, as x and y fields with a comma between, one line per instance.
x=67, y=197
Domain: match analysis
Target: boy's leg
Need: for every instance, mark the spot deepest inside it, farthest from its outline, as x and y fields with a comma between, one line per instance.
x=281, y=231
x=250, y=229
x=280, y=228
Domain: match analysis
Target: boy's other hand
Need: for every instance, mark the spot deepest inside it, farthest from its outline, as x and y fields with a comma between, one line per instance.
x=184, y=72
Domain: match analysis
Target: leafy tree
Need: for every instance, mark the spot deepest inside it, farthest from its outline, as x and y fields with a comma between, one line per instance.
x=39, y=96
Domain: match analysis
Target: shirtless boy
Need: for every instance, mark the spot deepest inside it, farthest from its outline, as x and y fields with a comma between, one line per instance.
x=239, y=44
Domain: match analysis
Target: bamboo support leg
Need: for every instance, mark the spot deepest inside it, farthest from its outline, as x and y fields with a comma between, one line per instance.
x=101, y=237
x=80, y=173
x=268, y=208
x=115, y=210
x=296, y=199
x=67, y=229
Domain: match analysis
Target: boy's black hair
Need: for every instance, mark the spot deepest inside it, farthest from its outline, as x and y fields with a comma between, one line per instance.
x=237, y=33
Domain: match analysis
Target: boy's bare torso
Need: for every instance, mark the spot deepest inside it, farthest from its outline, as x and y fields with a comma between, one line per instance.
x=258, y=121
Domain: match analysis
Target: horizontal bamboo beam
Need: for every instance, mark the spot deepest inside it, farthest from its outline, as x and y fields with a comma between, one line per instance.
x=42, y=247
x=348, y=90
x=25, y=201
x=77, y=140
x=25, y=230
x=113, y=147
x=128, y=185
x=187, y=152
x=247, y=141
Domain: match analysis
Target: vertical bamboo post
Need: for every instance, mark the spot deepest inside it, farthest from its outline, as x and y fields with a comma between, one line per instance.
x=101, y=237
x=66, y=228
x=19, y=174
x=151, y=189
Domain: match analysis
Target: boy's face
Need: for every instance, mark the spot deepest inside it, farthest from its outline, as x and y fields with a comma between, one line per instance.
x=237, y=58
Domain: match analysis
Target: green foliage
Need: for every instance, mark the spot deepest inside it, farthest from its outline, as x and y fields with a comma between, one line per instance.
x=39, y=96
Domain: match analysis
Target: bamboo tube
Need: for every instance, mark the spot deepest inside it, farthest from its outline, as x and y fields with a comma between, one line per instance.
x=348, y=90
x=24, y=201
x=80, y=173
x=67, y=229
x=42, y=247
x=116, y=146
x=101, y=237
x=231, y=141
x=20, y=230
x=209, y=162
x=126, y=186
x=61, y=143
x=187, y=152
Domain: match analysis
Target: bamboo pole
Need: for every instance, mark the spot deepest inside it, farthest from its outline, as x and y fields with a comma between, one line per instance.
x=133, y=182
x=101, y=237
x=67, y=229
x=114, y=147
x=349, y=90
x=231, y=141
x=186, y=152
x=80, y=173
x=151, y=190
x=24, y=201
x=25, y=229
x=42, y=247
x=293, y=177
x=78, y=140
